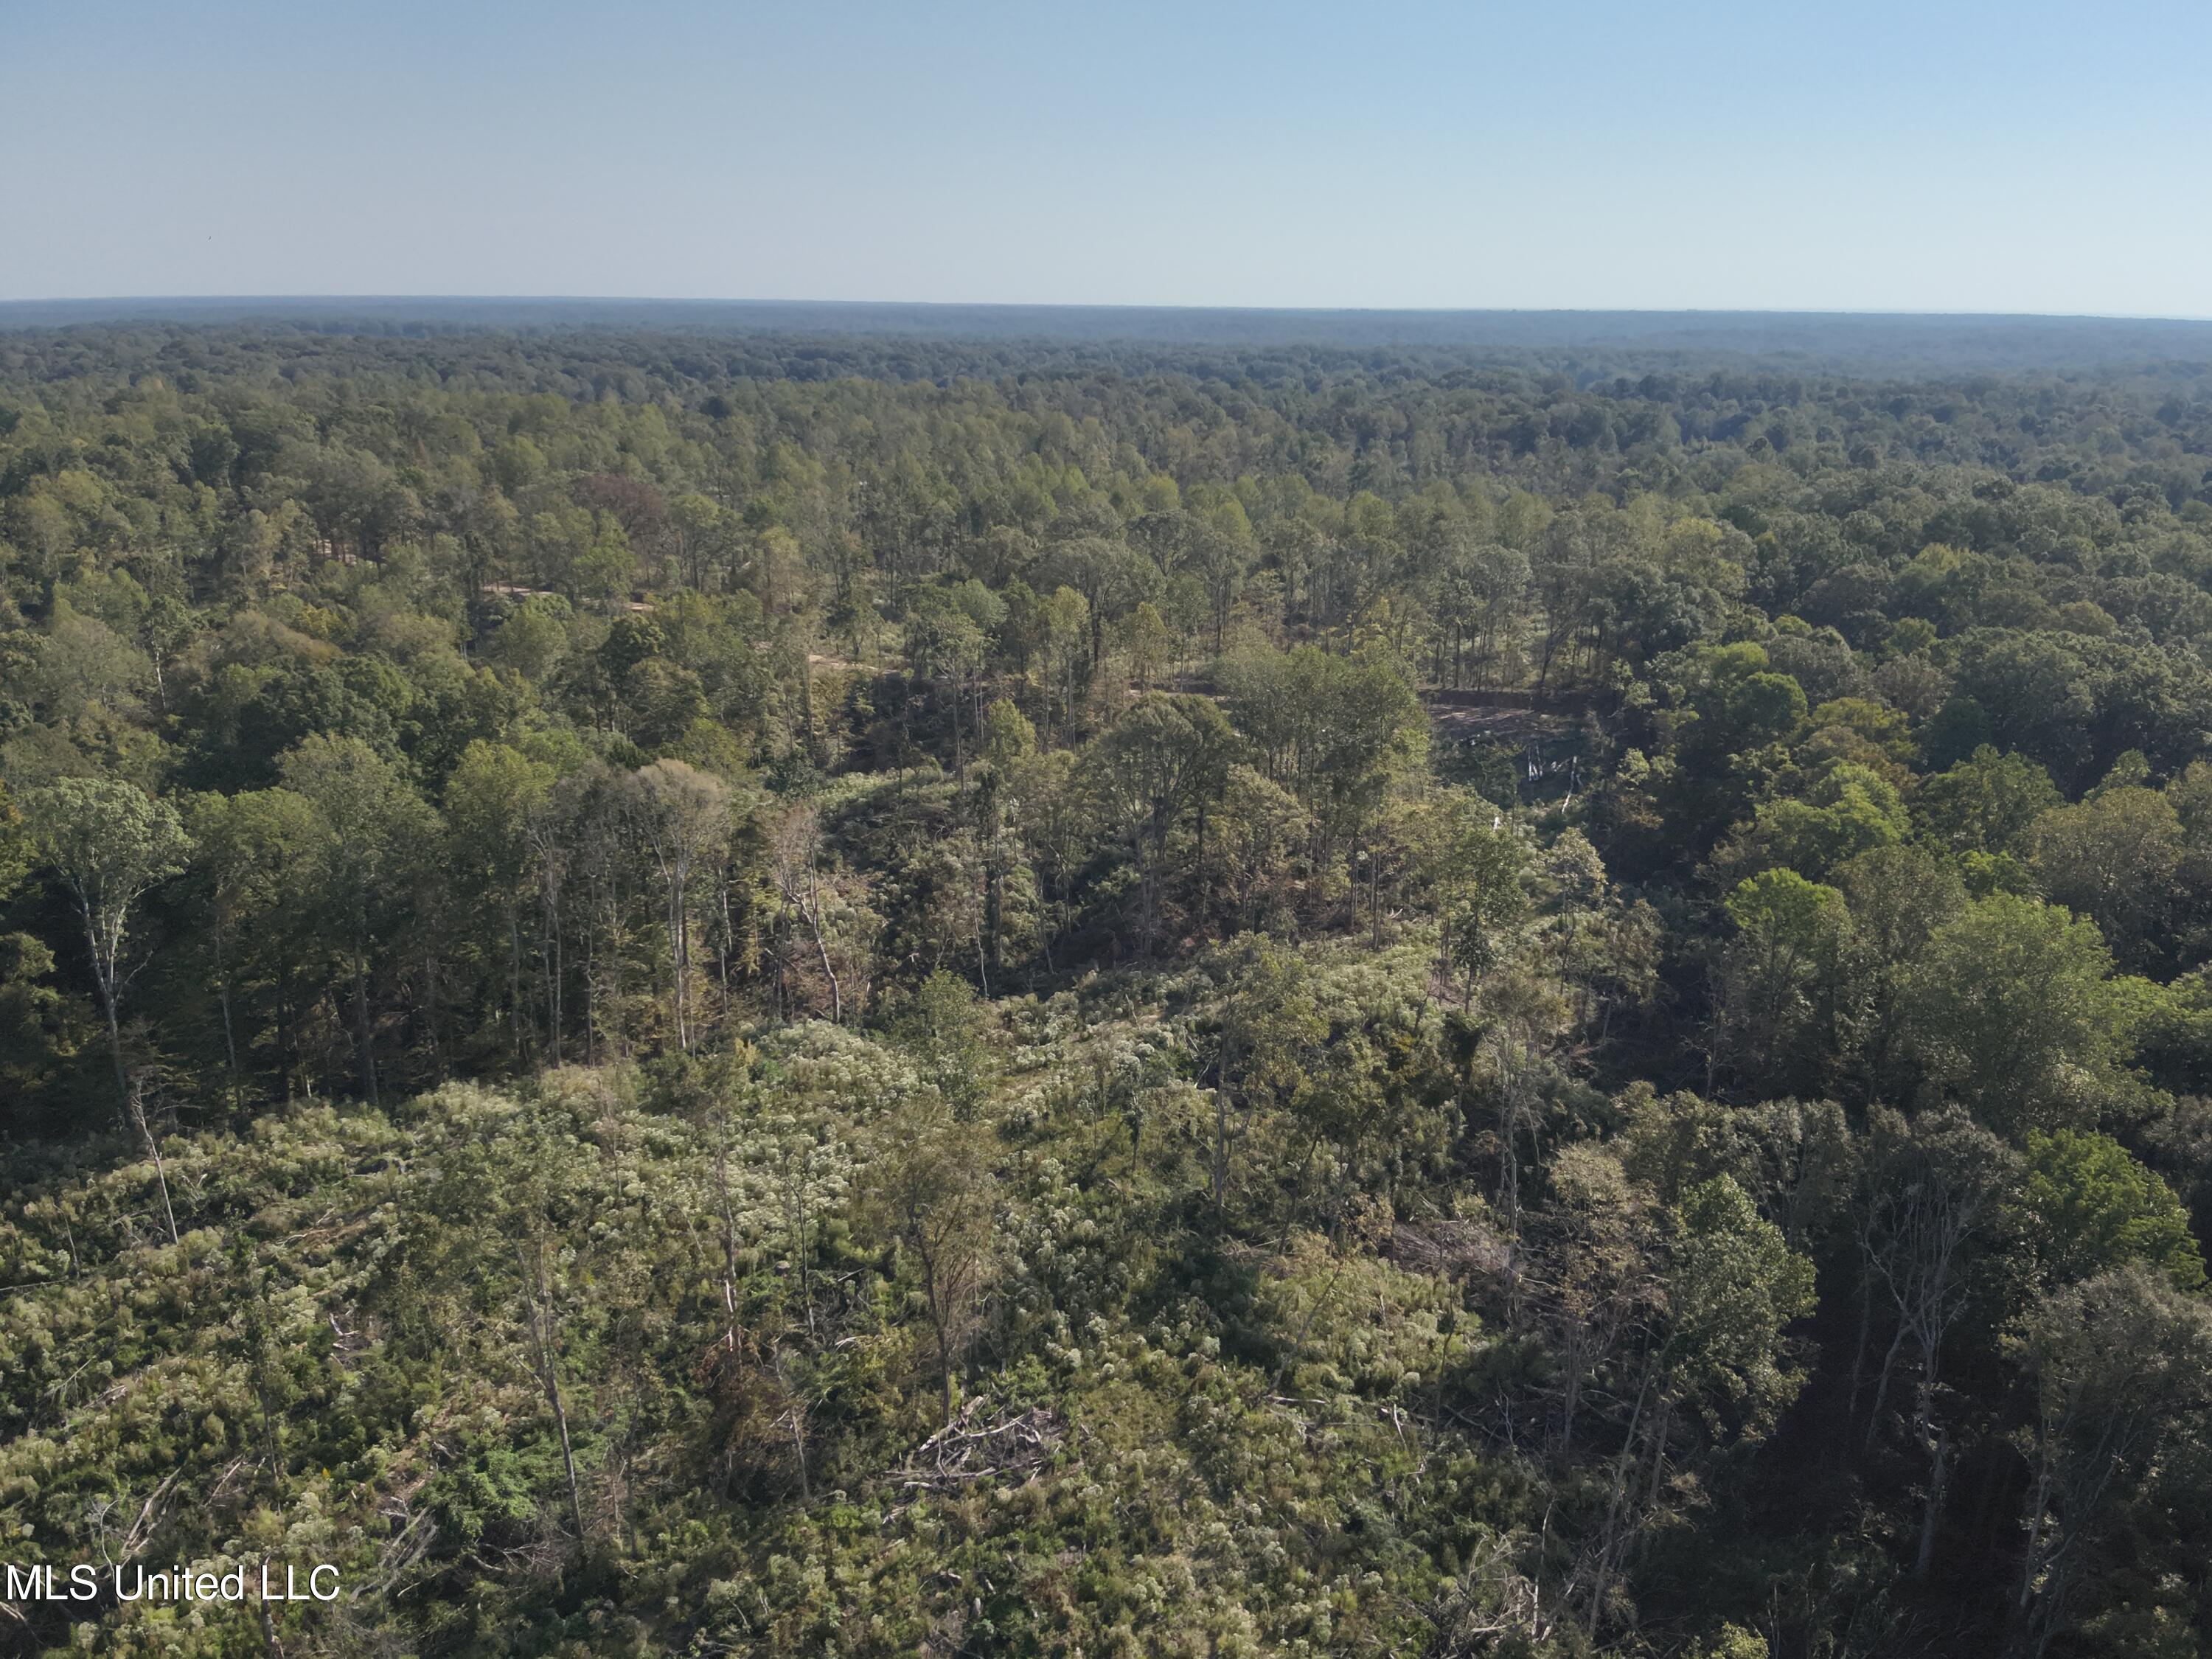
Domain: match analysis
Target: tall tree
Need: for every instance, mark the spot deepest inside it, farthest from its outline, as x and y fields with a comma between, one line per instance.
x=684, y=816
x=1169, y=755
x=1933, y=1189
x=374, y=827
x=111, y=843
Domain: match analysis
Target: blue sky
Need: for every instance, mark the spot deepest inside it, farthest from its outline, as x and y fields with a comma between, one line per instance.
x=1931, y=156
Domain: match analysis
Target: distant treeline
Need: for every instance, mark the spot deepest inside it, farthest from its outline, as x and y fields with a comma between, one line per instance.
x=1584, y=341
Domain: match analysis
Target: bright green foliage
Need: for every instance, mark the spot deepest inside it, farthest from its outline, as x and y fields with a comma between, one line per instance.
x=109, y=844
x=1335, y=731
x=1735, y=1286
x=1778, y=974
x=2091, y=1207
x=1847, y=811
x=1732, y=1643
x=2015, y=1010
x=1986, y=803
x=18, y=852
x=1736, y=704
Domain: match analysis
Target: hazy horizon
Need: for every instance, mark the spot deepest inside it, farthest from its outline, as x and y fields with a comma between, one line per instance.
x=247, y=297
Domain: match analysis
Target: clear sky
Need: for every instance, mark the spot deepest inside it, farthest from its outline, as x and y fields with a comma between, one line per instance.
x=2016, y=156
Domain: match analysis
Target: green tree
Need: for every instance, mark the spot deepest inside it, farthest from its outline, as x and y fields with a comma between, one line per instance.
x=1777, y=975
x=1732, y=708
x=2015, y=1014
x=1847, y=809
x=1337, y=732
x=1112, y=578
x=2122, y=1370
x=1986, y=803
x=2089, y=1206
x=1933, y=1190
x=942, y=1025
x=533, y=637
x=19, y=848
x=254, y=850
x=375, y=830
x=2116, y=858
x=110, y=843
x=1899, y=896
x=1259, y=831
x=1269, y=1034
x=683, y=815
x=1065, y=616
x=489, y=802
x=1146, y=639
x=39, y=1029
x=1735, y=1286
x=1167, y=757
x=605, y=567
x=932, y=1193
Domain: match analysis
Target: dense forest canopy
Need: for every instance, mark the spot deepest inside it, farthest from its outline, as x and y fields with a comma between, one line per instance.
x=675, y=990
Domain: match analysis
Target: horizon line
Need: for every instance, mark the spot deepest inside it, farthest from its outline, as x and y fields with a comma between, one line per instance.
x=1112, y=305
